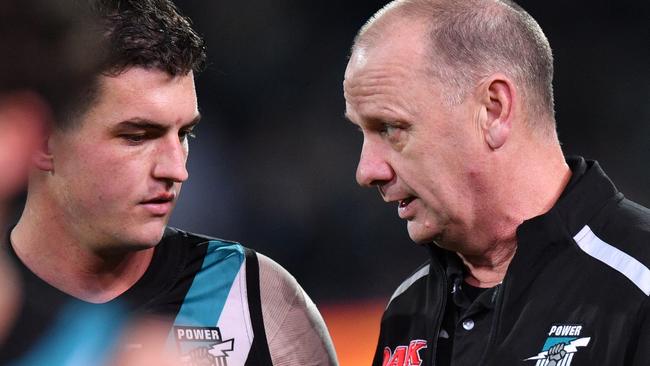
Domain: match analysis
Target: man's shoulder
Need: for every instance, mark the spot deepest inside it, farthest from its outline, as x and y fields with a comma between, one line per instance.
x=413, y=283
x=619, y=237
x=624, y=225
x=294, y=328
x=187, y=237
x=202, y=245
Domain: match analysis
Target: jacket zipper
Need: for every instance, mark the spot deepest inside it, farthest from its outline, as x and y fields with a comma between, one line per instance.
x=499, y=293
x=439, y=315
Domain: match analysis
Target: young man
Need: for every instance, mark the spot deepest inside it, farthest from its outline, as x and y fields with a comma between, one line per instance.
x=535, y=259
x=94, y=225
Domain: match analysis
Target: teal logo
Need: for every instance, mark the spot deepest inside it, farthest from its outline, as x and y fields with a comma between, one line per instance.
x=563, y=342
x=202, y=346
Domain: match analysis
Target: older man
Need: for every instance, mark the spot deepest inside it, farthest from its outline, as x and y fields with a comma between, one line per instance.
x=535, y=258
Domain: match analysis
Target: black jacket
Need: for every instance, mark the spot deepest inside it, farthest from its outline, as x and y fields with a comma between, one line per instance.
x=579, y=278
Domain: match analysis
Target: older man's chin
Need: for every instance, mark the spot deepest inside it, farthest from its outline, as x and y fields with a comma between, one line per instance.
x=421, y=233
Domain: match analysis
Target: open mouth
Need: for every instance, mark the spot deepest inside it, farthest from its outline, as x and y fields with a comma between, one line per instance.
x=405, y=202
x=158, y=201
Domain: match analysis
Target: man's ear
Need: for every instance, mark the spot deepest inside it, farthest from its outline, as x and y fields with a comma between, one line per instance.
x=42, y=157
x=32, y=117
x=497, y=95
x=42, y=117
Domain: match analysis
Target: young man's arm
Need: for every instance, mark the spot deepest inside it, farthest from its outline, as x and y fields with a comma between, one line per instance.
x=295, y=330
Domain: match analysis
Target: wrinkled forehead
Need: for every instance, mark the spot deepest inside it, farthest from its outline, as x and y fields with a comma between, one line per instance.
x=392, y=42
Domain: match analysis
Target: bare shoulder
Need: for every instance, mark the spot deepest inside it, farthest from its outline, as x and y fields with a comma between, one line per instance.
x=295, y=330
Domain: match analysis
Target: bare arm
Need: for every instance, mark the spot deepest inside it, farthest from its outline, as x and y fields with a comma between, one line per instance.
x=295, y=330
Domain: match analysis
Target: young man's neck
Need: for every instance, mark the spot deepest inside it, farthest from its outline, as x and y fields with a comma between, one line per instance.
x=67, y=263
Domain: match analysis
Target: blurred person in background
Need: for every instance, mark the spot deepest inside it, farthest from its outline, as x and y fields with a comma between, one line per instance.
x=100, y=195
x=45, y=62
x=535, y=258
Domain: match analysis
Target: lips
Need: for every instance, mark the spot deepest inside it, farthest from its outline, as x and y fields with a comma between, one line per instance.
x=405, y=209
x=159, y=205
x=405, y=202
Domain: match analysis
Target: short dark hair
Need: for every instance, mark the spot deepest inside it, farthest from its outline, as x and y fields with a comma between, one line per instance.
x=46, y=47
x=152, y=34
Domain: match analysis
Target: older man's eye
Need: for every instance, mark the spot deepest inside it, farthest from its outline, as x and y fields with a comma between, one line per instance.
x=389, y=130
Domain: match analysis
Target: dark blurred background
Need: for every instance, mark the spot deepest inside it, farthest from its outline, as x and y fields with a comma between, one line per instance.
x=273, y=165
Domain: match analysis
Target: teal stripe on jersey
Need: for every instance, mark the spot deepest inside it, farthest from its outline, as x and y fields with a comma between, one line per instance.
x=84, y=334
x=208, y=294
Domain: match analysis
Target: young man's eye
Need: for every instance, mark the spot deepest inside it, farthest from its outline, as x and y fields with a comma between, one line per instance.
x=184, y=135
x=134, y=138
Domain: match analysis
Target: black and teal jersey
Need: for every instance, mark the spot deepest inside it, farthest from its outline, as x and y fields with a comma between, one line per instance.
x=207, y=288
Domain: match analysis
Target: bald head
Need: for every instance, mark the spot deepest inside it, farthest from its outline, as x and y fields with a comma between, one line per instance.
x=467, y=41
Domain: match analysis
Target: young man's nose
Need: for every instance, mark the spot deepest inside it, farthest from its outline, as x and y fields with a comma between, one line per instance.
x=171, y=162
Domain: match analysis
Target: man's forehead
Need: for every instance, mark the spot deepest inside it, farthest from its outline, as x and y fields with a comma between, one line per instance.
x=143, y=78
x=144, y=94
x=403, y=43
x=358, y=60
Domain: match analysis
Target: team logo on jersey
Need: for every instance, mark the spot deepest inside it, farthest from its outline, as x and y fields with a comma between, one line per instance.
x=200, y=346
x=562, y=344
x=405, y=355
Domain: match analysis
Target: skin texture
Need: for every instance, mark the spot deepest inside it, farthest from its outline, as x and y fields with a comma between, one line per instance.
x=459, y=173
x=105, y=189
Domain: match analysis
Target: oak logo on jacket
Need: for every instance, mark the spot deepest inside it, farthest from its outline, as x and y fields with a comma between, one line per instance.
x=562, y=344
x=202, y=346
x=405, y=355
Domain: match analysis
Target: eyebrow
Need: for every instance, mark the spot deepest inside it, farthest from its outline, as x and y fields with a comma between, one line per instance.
x=152, y=125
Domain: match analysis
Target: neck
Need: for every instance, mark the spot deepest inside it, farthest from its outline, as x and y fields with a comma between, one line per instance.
x=71, y=264
x=526, y=182
x=489, y=269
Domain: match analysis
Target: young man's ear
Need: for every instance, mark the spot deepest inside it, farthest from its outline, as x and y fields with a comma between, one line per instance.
x=38, y=115
x=497, y=95
x=42, y=157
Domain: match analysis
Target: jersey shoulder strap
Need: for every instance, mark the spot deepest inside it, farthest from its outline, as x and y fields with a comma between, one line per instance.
x=259, y=353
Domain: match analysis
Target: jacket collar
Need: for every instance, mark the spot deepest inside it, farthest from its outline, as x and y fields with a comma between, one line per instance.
x=542, y=238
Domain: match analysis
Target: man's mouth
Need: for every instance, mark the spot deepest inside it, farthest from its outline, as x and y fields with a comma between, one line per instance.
x=158, y=201
x=404, y=209
x=161, y=198
x=160, y=205
x=405, y=202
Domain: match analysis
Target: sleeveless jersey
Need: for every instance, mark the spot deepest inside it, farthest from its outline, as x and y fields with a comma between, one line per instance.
x=208, y=289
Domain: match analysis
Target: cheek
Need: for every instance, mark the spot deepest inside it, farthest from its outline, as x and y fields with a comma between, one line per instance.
x=100, y=178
